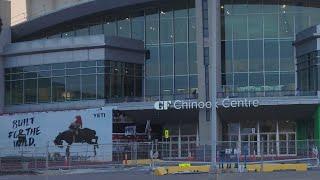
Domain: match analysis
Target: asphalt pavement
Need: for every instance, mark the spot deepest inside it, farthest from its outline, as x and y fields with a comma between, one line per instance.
x=145, y=175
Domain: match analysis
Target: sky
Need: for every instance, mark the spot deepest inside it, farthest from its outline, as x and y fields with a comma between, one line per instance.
x=18, y=11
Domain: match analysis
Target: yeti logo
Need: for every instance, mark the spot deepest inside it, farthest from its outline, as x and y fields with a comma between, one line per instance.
x=162, y=105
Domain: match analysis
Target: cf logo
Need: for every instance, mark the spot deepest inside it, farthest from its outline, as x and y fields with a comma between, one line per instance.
x=162, y=105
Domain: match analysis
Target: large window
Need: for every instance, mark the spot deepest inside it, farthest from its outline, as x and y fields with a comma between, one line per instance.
x=181, y=57
x=257, y=39
x=152, y=27
x=89, y=86
x=58, y=89
x=169, y=34
x=166, y=57
x=73, y=81
x=166, y=26
x=30, y=91
x=44, y=90
x=73, y=88
x=138, y=27
x=124, y=27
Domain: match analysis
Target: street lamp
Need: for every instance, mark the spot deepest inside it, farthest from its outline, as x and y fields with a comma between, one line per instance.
x=215, y=56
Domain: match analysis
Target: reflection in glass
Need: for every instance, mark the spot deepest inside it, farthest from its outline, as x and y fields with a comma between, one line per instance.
x=124, y=27
x=152, y=87
x=193, y=83
x=271, y=26
x=96, y=29
x=286, y=25
x=166, y=58
x=72, y=88
x=193, y=64
x=138, y=28
x=17, y=92
x=240, y=56
x=241, y=81
x=152, y=64
x=181, y=59
x=8, y=92
x=226, y=56
x=271, y=55
x=192, y=29
x=181, y=30
x=256, y=26
x=152, y=27
x=256, y=81
x=255, y=55
x=286, y=56
x=240, y=30
x=101, y=86
x=181, y=86
x=30, y=91
x=110, y=27
x=272, y=81
x=166, y=26
x=44, y=90
x=287, y=81
x=166, y=87
x=58, y=89
x=88, y=86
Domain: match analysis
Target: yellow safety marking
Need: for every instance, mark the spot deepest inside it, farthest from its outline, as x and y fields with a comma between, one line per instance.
x=184, y=165
x=277, y=167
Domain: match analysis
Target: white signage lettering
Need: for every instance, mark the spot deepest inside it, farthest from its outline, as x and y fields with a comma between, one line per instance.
x=187, y=104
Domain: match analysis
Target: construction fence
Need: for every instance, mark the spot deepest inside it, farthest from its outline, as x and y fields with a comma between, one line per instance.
x=130, y=154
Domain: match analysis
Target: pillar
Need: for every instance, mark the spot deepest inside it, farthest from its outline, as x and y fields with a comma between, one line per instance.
x=301, y=130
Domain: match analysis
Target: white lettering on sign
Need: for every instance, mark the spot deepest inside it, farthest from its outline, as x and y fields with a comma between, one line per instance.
x=187, y=104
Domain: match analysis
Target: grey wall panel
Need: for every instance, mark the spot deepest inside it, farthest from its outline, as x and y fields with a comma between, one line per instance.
x=64, y=56
x=35, y=59
x=80, y=55
x=50, y=57
x=96, y=54
x=85, y=48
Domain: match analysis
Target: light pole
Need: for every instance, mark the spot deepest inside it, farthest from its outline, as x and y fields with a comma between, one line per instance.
x=215, y=58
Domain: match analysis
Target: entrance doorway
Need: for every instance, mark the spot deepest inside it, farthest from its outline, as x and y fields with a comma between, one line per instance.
x=177, y=147
x=274, y=138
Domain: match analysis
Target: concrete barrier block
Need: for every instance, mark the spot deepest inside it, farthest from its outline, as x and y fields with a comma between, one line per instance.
x=160, y=171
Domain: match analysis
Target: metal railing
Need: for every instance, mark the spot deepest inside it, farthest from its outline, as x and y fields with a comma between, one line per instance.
x=152, y=98
x=267, y=94
x=120, y=154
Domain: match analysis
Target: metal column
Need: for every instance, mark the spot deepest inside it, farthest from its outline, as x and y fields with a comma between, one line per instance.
x=215, y=60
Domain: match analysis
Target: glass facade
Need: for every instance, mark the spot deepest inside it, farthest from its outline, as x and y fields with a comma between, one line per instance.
x=308, y=72
x=169, y=34
x=110, y=80
x=257, y=43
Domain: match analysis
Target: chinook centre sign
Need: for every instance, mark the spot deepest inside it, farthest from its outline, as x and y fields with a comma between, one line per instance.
x=188, y=104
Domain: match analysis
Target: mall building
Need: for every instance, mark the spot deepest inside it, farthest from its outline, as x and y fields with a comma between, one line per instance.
x=131, y=54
